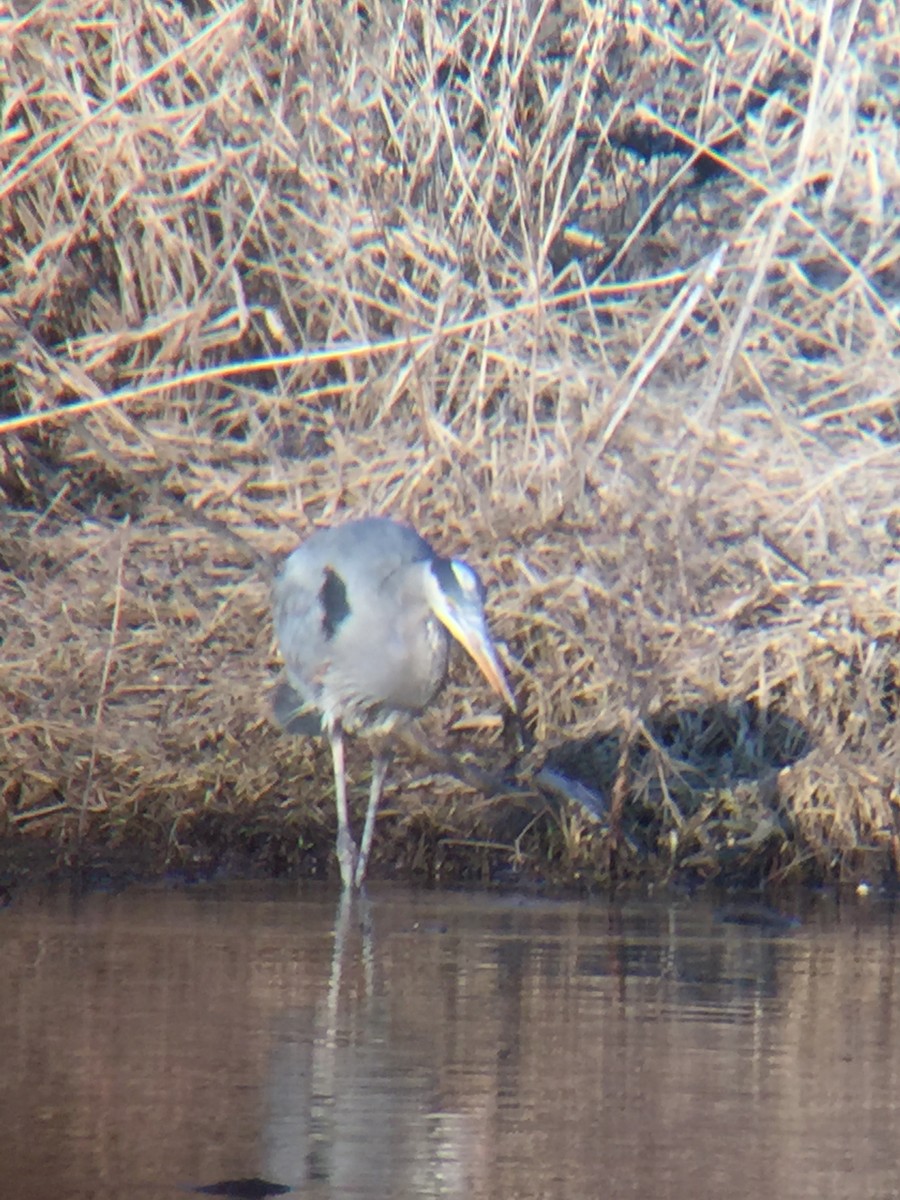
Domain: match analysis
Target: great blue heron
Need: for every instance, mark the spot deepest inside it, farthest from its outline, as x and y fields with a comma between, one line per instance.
x=363, y=614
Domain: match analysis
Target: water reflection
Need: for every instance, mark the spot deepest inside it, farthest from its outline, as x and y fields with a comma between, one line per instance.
x=432, y=1045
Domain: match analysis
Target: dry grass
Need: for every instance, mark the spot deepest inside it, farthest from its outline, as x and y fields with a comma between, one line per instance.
x=607, y=303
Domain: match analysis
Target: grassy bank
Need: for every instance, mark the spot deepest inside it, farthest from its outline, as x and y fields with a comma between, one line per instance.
x=605, y=301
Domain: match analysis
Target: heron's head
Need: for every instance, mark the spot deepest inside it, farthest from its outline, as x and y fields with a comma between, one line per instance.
x=456, y=597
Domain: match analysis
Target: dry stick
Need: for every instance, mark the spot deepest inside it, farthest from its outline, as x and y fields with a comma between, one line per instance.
x=562, y=161
x=37, y=814
x=786, y=207
x=734, y=167
x=326, y=354
x=72, y=374
x=776, y=230
x=619, y=791
x=104, y=675
x=163, y=496
x=25, y=165
x=670, y=328
x=653, y=209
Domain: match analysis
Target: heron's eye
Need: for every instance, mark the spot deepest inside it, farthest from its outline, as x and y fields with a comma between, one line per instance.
x=469, y=584
x=457, y=581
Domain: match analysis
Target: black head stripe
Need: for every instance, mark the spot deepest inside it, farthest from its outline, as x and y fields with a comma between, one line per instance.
x=444, y=570
x=335, y=609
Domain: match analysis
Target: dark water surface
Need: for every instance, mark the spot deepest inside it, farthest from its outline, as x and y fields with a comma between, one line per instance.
x=428, y=1044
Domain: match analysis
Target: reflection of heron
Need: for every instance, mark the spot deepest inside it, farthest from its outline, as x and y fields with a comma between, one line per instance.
x=362, y=612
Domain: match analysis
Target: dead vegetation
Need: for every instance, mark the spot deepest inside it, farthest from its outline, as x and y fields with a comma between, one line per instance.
x=605, y=298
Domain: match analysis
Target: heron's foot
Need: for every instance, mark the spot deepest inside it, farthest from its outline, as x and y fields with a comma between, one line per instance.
x=348, y=858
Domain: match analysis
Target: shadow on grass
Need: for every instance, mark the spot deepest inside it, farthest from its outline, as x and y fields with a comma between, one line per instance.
x=693, y=792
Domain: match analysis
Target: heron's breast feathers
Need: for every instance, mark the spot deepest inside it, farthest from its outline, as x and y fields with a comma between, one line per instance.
x=360, y=647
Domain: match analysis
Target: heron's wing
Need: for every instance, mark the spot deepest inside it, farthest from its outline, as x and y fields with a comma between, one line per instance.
x=304, y=646
x=354, y=627
x=292, y=712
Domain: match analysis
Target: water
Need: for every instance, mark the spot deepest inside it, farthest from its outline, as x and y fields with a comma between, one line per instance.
x=444, y=1045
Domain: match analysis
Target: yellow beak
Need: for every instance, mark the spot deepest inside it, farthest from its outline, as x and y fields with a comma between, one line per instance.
x=468, y=627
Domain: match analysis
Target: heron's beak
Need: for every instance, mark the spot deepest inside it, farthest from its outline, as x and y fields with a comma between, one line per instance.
x=467, y=625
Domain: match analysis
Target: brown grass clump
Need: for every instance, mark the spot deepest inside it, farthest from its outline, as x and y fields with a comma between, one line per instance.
x=604, y=298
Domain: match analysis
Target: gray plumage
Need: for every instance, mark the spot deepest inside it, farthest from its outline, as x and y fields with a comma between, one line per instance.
x=364, y=612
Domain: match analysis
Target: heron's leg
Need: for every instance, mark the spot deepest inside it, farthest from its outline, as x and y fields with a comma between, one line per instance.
x=381, y=760
x=346, y=847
